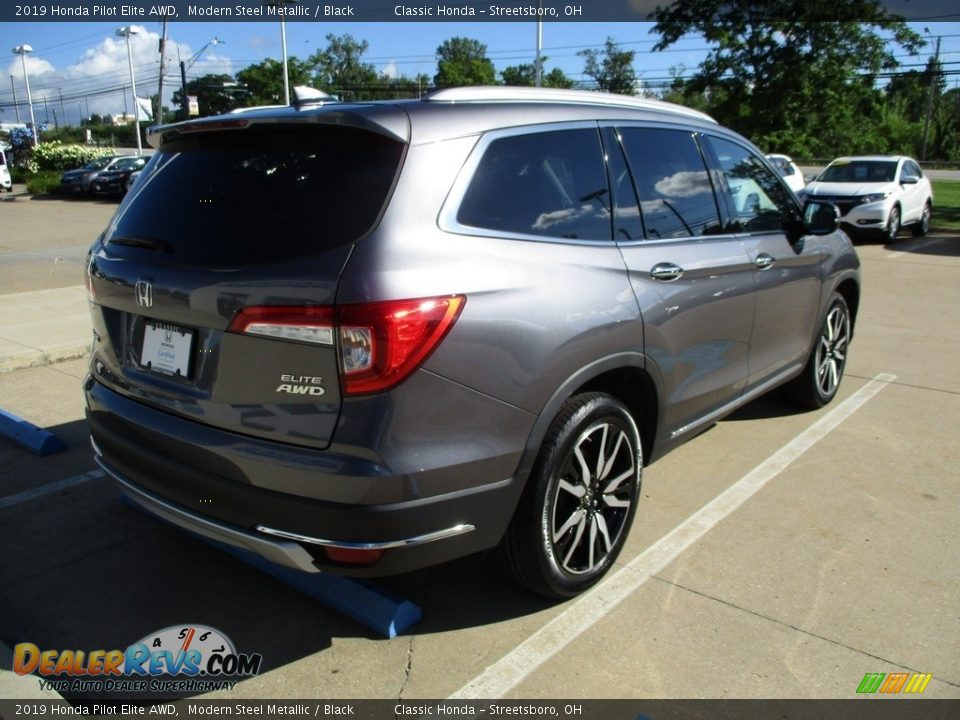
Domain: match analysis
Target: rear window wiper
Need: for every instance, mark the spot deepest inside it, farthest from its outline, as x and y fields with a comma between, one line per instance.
x=146, y=243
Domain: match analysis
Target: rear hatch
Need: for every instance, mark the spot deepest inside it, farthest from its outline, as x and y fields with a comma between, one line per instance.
x=234, y=215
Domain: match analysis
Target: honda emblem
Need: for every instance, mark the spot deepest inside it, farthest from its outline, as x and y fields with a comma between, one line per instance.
x=144, y=293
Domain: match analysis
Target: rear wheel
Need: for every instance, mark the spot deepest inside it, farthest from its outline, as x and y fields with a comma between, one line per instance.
x=820, y=380
x=922, y=226
x=576, y=510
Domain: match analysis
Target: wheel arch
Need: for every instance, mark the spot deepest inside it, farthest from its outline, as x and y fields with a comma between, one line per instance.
x=850, y=290
x=628, y=376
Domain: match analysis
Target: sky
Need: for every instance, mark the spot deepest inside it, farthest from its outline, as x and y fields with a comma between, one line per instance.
x=87, y=63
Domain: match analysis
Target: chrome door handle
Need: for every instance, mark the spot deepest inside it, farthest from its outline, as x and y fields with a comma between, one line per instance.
x=666, y=272
x=764, y=261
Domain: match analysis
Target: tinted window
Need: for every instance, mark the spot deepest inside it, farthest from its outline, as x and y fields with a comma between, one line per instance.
x=757, y=197
x=676, y=195
x=257, y=196
x=911, y=168
x=551, y=184
x=626, y=210
x=859, y=171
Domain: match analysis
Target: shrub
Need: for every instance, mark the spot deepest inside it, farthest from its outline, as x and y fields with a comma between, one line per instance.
x=43, y=182
x=54, y=155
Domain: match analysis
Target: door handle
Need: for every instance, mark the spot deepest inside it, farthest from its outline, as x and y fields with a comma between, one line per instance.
x=764, y=261
x=666, y=272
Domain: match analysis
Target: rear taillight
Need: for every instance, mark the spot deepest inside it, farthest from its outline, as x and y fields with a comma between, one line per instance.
x=300, y=324
x=380, y=343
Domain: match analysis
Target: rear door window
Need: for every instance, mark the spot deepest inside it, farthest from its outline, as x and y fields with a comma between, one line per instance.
x=260, y=195
x=674, y=187
x=548, y=184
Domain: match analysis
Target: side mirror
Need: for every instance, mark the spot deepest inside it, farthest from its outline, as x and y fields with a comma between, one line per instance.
x=909, y=180
x=820, y=218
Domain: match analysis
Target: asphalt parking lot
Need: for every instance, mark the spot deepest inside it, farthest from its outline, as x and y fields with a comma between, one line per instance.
x=778, y=555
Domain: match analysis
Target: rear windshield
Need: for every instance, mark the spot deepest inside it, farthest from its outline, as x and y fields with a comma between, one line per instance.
x=260, y=195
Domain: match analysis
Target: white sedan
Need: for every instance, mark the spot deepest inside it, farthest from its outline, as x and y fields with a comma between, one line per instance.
x=876, y=194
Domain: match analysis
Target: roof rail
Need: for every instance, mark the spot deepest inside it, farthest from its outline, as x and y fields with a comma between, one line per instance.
x=488, y=94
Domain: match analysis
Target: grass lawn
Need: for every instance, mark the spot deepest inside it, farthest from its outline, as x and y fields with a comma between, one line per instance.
x=946, y=204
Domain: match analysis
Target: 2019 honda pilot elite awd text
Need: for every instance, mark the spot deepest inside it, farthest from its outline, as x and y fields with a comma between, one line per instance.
x=367, y=338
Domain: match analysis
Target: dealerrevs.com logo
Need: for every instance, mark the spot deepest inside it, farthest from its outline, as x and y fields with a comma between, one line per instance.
x=180, y=658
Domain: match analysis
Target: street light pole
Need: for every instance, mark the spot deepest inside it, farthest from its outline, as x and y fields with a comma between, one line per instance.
x=280, y=4
x=22, y=51
x=126, y=32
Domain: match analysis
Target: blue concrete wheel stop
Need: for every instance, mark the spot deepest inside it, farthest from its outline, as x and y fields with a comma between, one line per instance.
x=27, y=435
x=364, y=601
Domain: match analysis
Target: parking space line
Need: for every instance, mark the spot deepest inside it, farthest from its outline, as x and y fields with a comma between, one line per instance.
x=912, y=248
x=508, y=672
x=49, y=488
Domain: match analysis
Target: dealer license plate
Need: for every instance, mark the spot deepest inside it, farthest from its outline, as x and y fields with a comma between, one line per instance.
x=166, y=349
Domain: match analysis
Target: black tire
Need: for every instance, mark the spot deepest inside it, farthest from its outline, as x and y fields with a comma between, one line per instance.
x=922, y=226
x=893, y=225
x=817, y=385
x=569, y=529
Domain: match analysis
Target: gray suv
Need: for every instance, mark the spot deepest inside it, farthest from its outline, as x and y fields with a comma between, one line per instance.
x=367, y=338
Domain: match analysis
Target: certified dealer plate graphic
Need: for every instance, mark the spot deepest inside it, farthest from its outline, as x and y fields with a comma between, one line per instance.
x=166, y=349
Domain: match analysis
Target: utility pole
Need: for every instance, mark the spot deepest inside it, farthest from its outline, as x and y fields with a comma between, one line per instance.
x=933, y=84
x=538, y=69
x=183, y=90
x=63, y=110
x=163, y=49
x=16, y=106
x=46, y=109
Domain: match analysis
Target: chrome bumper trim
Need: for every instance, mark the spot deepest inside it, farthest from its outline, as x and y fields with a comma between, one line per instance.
x=287, y=554
x=407, y=542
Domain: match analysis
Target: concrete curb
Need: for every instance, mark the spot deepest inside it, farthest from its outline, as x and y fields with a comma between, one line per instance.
x=40, y=358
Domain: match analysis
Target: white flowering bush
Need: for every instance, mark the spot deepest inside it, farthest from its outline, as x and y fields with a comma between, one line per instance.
x=55, y=155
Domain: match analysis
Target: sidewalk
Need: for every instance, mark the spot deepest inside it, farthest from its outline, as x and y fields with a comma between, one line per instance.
x=43, y=326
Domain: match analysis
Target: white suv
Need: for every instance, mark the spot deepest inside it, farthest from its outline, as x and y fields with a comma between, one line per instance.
x=876, y=194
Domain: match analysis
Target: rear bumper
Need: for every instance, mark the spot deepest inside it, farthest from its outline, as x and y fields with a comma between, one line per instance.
x=204, y=481
x=288, y=553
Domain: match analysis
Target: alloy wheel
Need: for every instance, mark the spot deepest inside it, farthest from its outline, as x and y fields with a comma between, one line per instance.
x=592, y=498
x=832, y=350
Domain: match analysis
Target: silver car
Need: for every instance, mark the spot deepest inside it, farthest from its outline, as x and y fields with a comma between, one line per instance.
x=365, y=338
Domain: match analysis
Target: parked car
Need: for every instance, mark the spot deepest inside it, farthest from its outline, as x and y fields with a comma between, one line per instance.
x=6, y=183
x=788, y=170
x=368, y=338
x=80, y=180
x=133, y=178
x=876, y=195
x=113, y=181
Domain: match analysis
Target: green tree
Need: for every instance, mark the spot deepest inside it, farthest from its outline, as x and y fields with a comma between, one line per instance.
x=525, y=75
x=404, y=87
x=802, y=86
x=463, y=61
x=213, y=94
x=339, y=70
x=612, y=69
x=262, y=84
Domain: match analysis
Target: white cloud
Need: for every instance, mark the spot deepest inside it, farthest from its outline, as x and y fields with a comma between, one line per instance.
x=96, y=80
x=390, y=70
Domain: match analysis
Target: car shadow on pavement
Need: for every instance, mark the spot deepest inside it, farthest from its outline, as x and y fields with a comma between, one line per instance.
x=83, y=570
x=944, y=243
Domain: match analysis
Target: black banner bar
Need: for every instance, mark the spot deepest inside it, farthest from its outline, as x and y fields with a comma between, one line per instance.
x=132, y=11
x=858, y=709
